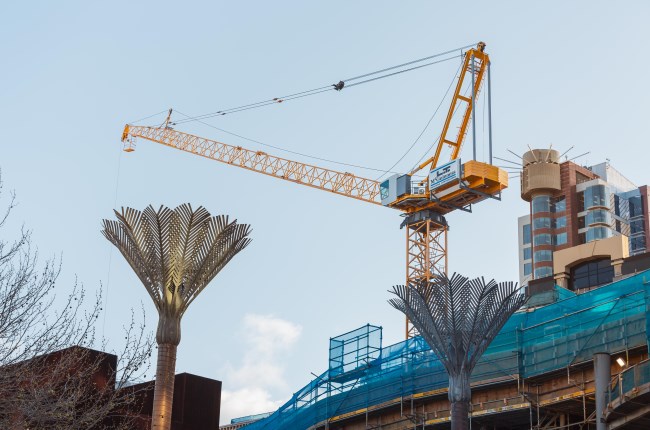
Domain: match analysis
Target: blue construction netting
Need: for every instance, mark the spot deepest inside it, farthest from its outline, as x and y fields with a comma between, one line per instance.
x=249, y=418
x=608, y=319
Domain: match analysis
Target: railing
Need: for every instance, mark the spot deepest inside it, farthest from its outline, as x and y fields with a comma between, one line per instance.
x=629, y=379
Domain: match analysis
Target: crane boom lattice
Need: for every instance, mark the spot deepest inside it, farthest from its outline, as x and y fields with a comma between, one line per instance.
x=342, y=183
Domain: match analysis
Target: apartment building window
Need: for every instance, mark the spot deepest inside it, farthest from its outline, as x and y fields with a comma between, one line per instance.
x=559, y=222
x=580, y=196
x=636, y=206
x=541, y=204
x=526, y=234
x=592, y=274
x=597, y=233
x=542, y=239
x=596, y=195
x=543, y=272
x=543, y=222
x=636, y=226
x=559, y=205
x=527, y=253
x=637, y=244
x=528, y=269
x=560, y=239
x=598, y=216
x=544, y=255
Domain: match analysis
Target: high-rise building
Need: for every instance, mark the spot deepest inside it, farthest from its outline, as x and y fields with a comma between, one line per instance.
x=583, y=221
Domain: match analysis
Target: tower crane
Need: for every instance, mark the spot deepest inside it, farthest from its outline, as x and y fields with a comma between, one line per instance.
x=423, y=202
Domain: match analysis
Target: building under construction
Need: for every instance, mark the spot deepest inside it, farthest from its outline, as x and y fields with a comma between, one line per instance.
x=539, y=372
x=586, y=274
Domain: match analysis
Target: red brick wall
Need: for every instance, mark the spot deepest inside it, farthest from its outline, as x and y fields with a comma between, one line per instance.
x=569, y=181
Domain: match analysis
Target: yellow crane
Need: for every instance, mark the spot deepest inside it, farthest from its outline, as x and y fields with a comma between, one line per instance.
x=424, y=202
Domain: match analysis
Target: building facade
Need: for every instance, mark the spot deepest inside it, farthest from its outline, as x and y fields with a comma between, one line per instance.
x=582, y=223
x=91, y=376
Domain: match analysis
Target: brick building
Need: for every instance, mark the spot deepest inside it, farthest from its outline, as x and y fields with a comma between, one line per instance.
x=196, y=404
x=583, y=221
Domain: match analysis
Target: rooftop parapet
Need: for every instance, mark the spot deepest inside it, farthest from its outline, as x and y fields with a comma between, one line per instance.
x=540, y=173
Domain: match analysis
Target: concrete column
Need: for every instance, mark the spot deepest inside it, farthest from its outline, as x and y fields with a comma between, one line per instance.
x=602, y=376
x=562, y=280
x=618, y=268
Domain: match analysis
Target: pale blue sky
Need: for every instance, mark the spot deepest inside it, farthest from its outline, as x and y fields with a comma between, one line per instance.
x=566, y=73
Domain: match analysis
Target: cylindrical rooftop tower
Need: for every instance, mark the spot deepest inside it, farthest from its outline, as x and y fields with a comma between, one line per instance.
x=540, y=180
x=541, y=173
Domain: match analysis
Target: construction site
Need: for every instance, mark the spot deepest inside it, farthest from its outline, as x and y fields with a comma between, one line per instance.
x=399, y=216
x=541, y=370
x=575, y=356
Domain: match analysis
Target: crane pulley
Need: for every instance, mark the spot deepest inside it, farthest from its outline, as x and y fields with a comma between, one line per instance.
x=448, y=187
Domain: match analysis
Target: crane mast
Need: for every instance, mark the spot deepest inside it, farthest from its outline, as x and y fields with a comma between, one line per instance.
x=424, y=203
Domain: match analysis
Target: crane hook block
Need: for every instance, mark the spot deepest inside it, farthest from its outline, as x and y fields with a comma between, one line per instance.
x=339, y=86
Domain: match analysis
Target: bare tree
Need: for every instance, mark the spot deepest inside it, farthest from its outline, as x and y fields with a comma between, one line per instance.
x=50, y=377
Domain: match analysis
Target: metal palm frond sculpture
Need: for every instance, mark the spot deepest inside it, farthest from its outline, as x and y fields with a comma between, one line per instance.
x=175, y=253
x=458, y=318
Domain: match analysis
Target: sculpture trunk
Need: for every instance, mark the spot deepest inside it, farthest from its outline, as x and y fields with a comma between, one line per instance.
x=460, y=395
x=163, y=395
x=459, y=414
x=168, y=336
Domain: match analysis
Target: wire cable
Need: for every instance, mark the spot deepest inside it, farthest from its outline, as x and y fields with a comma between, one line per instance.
x=110, y=251
x=256, y=105
x=150, y=116
x=402, y=71
x=427, y=125
x=410, y=62
x=337, y=87
x=439, y=136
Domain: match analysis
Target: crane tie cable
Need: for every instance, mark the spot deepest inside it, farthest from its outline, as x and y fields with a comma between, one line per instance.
x=346, y=83
x=411, y=62
x=337, y=87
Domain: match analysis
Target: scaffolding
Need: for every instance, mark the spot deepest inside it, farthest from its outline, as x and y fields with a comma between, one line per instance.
x=533, y=342
x=354, y=351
